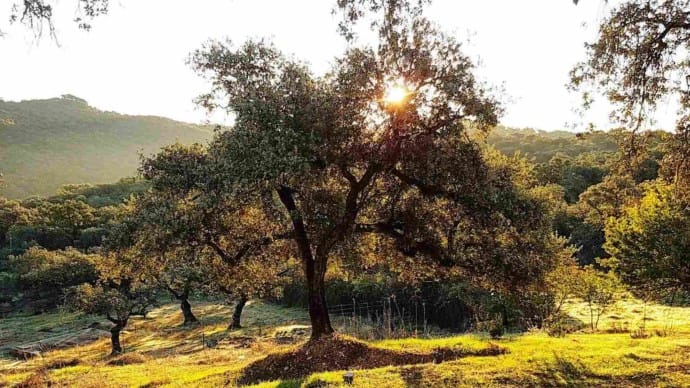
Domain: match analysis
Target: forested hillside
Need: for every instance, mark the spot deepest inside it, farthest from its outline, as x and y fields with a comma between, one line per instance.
x=541, y=145
x=47, y=143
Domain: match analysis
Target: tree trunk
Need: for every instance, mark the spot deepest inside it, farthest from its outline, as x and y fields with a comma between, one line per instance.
x=237, y=314
x=314, y=268
x=189, y=317
x=116, y=348
x=318, y=311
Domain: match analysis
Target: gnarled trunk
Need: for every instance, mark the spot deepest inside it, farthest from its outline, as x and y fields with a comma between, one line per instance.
x=237, y=314
x=318, y=311
x=314, y=268
x=116, y=347
x=189, y=317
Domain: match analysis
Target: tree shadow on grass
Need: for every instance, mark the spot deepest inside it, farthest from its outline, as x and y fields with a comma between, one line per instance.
x=574, y=373
x=417, y=377
x=565, y=372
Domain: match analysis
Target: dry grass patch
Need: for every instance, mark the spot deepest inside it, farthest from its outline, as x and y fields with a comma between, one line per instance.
x=36, y=380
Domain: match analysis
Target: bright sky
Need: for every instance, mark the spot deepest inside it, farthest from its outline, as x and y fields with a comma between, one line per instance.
x=133, y=61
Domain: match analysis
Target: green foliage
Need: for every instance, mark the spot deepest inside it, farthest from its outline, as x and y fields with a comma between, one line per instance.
x=13, y=213
x=102, y=195
x=71, y=215
x=575, y=175
x=587, y=177
x=35, y=226
x=52, y=238
x=649, y=242
x=542, y=146
x=46, y=276
x=92, y=237
x=49, y=143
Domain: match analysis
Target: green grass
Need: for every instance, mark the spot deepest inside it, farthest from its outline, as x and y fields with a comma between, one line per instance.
x=174, y=356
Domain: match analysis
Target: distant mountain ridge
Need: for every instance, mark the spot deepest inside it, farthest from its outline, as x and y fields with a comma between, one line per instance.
x=45, y=144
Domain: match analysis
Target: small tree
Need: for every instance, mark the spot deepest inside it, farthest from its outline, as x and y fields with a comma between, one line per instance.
x=262, y=276
x=180, y=272
x=13, y=213
x=598, y=290
x=562, y=282
x=71, y=215
x=119, y=294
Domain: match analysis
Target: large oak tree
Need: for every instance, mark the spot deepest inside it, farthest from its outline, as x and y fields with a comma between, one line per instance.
x=378, y=147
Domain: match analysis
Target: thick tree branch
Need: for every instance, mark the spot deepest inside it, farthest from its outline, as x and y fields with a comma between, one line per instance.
x=246, y=248
x=111, y=319
x=406, y=246
x=175, y=294
x=432, y=190
x=300, y=235
x=352, y=207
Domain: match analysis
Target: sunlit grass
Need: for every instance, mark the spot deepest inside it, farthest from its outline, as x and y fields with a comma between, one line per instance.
x=634, y=314
x=175, y=356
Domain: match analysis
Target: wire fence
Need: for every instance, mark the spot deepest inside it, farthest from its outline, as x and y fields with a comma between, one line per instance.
x=384, y=318
x=368, y=319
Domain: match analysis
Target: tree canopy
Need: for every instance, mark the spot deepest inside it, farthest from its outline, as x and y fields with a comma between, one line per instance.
x=377, y=147
x=639, y=60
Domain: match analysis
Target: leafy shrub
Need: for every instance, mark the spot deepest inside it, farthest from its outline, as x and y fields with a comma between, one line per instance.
x=46, y=275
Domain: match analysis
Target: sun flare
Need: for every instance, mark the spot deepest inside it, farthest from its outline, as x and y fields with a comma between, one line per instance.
x=395, y=94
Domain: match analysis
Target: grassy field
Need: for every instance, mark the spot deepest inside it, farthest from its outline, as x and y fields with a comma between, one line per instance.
x=161, y=353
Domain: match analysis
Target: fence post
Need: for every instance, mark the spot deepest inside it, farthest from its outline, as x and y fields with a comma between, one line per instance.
x=416, y=321
x=390, y=318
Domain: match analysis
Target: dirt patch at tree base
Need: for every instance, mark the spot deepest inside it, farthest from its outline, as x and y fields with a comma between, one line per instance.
x=128, y=359
x=340, y=353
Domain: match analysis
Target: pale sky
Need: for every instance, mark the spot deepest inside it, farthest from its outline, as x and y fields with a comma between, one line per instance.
x=133, y=60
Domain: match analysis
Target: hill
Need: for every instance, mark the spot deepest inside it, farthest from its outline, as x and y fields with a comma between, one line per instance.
x=540, y=146
x=45, y=144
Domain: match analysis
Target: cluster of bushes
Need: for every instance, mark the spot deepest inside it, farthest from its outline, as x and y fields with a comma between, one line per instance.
x=41, y=277
x=46, y=244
